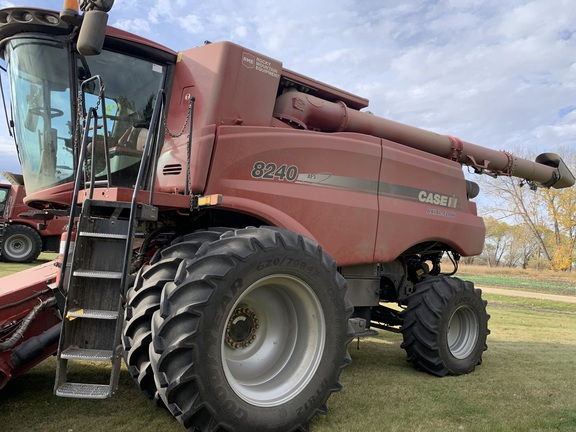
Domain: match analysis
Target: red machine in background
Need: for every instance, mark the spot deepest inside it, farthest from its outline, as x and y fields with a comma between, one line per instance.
x=237, y=224
x=25, y=231
x=29, y=320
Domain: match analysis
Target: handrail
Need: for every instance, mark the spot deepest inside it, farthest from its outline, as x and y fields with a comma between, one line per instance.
x=87, y=118
x=147, y=168
x=102, y=103
x=75, y=193
x=150, y=148
x=189, y=144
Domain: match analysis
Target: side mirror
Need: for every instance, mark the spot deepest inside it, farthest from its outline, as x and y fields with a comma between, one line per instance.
x=92, y=33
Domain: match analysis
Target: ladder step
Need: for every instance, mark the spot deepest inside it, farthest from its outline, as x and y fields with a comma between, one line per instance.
x=104, y=235
x=84, y=391
x=97, y=274
x=92, y=313
x=86, y=354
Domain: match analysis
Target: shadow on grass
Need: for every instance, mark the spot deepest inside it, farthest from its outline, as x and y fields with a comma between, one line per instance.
x=28, y=404
x=521, y=386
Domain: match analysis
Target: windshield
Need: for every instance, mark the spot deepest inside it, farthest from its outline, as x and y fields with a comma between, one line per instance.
x=45, y=122
x=40, y=94
x=131, y=86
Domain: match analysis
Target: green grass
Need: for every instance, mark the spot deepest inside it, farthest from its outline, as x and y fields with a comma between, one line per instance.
x=496, y=300
x=547, y=281
x=526, y=383
x=9, y=268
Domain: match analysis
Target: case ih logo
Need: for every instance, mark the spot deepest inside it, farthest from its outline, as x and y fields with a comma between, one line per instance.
x=248, y=60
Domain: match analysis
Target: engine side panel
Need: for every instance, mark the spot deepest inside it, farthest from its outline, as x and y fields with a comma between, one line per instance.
x=323, y=186
x=338, y=189
x=422, y=198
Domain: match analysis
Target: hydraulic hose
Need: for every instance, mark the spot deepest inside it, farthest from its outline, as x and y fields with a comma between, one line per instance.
x=9, y=344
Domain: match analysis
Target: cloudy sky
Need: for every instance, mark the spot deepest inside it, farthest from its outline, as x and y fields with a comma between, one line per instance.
x=497, y=73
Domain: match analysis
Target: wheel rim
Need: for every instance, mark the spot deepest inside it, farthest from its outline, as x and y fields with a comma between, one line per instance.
x=462, y=332
x=18, y=246
x=273, y=341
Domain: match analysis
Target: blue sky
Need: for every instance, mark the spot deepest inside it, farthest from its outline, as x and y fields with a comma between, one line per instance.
x=501, y=74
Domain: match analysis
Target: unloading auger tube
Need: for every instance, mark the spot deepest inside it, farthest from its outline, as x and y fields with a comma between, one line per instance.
x=310, y=112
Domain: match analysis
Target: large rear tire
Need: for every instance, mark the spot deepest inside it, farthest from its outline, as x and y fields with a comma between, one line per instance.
x=143, y=299
x=253, y=334
x=445, y=326
x=21, y=244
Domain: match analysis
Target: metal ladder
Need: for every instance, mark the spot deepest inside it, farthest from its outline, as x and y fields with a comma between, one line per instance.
x=93, y=312
x=96, y=281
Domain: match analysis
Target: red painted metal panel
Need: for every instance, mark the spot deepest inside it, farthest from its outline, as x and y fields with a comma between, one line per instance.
x=19, y=294
x=422, y=198
x=323, y=186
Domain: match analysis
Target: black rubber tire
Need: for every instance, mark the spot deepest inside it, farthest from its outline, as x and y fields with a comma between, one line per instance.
x=143, y=299
x=445, y=326
x=192, y=355
x=21, y=244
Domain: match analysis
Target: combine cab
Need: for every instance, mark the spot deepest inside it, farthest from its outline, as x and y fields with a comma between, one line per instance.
x=239, y=223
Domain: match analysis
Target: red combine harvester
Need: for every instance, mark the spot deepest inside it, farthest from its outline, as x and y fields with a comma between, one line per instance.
x=24, y=231
x=237, y=224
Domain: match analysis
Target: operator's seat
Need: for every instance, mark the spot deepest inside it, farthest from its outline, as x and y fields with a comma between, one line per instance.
x=134, y=138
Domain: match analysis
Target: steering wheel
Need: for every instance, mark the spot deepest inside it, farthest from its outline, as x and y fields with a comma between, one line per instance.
x=53, y=112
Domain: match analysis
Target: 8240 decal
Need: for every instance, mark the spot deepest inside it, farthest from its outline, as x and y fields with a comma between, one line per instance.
x=271, y=171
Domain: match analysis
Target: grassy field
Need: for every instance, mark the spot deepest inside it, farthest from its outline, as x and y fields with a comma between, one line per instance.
x=526, y=382
x=547, y=281
x=9, y=268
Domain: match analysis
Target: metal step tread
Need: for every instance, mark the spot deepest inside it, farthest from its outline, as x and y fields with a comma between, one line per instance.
x=92, y=313
x=84, y=391
x=86, y=354
x=99, y=274
x=103, y=235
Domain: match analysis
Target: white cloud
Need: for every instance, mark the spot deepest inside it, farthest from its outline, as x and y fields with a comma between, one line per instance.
x=191, y=23
x=136, y=25
x=492, y=72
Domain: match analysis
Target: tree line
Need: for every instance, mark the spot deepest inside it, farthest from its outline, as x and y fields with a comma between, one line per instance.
x=527, y=227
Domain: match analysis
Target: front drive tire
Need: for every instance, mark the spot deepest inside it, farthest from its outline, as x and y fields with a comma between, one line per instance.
x=445, y=326
x=253, y=334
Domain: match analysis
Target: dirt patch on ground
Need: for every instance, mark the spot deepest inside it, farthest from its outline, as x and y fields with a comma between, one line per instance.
x=528, y=294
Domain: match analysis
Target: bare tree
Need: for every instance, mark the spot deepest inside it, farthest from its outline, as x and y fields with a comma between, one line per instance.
x=548, y=214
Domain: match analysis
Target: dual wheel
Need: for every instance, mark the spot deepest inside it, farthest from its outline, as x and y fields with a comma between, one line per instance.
x=239, y=329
